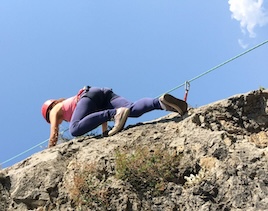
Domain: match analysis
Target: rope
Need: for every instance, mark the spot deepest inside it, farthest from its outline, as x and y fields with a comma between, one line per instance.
x=171, y=90
x=28, y=150
x=218, y=66
x=22, y=153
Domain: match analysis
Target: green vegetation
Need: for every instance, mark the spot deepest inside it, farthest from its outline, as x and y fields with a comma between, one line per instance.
x=261, y=88
x=89, y=189
x=147, y=169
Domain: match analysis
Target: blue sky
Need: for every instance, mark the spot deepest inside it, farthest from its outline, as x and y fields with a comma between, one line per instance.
x=50, y=49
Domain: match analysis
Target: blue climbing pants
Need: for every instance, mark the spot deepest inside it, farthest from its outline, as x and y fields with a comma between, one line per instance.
x=99, y=105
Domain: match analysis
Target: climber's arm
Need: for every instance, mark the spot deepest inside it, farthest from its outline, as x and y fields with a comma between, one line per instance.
x=56, y=119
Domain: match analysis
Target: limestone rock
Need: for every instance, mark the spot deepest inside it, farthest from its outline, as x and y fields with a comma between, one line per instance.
x=223, y=166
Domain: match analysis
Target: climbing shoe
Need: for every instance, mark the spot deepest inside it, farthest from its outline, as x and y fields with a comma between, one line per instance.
x=170, y=103
x=120, y=119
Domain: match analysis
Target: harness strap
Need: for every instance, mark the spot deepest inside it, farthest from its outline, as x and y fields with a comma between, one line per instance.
x=84, y=90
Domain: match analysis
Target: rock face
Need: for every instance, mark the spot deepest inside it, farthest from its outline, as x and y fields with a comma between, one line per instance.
x=223, y=150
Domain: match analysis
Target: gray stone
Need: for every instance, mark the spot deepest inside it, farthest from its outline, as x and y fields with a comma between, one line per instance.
x=224, y=164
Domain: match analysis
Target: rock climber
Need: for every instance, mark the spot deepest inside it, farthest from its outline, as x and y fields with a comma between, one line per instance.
x=94, y=106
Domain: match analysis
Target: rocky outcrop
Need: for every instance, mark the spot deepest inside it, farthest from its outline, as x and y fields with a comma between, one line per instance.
x=223, y=165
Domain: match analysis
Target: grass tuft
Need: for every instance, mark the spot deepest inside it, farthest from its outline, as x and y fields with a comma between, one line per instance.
x=147, y=169
x=89, y=190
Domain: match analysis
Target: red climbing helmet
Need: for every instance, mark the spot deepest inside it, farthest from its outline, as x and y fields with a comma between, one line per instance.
x=46, y=107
